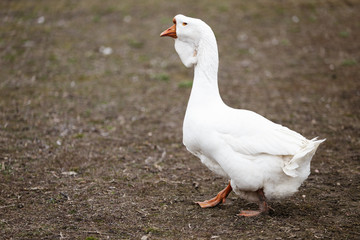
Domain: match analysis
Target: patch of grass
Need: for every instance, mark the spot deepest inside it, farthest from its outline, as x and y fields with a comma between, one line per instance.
x=72, y=211
x=144, y=58
x=108, y=72
x=10, y=58
x=110, y=128
x=97, y=121
x=244, y=51
x=86, y=113
x=223, y=8
x=53, y=58
x=152, y=230
x=79, y=135
x=135, y=43
x=91, y=238
x=161, y=77
x=72, y=60
x=280, y=10
x=5, y=169
x=349, y=62
x=52, y=200
x=82, y=77
x=96, y=19
x=2, y=224
x=75, y=169
x=107, y=178
x=313, y=18
x=285, y=42
x=295, y=29
x=185, y=84
x=109, y=10
x=344, y=34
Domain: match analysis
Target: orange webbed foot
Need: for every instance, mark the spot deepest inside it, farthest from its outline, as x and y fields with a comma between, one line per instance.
x=220, y=198
x=263, y=207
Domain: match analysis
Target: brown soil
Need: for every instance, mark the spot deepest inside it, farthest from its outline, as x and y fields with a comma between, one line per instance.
x=114, y=121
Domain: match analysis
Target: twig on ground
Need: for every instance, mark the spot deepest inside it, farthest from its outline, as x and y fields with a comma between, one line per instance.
x=11, y=205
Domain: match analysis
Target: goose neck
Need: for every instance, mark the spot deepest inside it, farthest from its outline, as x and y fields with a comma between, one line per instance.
x=205, y=88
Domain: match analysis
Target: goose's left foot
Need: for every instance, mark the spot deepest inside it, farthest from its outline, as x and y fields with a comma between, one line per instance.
x=263, y=207
x=220, y=198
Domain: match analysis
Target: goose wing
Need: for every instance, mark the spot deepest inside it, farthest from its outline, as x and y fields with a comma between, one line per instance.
x=253, y=134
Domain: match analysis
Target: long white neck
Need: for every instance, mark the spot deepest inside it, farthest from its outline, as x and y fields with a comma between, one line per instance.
x=205, y=90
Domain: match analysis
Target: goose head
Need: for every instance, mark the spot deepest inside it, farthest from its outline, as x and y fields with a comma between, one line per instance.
x=188, y=34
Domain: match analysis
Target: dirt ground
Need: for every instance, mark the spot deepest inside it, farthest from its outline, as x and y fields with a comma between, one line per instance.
x=92, y=102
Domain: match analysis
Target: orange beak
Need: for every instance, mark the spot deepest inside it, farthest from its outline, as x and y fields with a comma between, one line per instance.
x=170, y=32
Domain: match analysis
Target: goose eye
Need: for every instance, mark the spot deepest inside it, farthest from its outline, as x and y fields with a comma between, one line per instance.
x=184, y=24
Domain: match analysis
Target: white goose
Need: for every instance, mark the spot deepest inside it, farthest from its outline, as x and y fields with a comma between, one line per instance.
x=262, y=159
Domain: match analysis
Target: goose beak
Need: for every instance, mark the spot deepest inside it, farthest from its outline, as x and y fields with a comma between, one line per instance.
x=170, y=32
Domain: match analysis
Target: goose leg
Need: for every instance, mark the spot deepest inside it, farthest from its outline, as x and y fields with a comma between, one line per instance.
x=220, y=198
x=263, y=206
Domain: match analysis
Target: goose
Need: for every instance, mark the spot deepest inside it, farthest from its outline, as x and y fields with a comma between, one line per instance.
x=261, y=159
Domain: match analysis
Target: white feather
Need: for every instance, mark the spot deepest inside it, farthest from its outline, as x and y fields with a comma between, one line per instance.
x=251, y=151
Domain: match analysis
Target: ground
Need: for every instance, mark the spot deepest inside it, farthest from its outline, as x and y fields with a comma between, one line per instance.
x=91, y=109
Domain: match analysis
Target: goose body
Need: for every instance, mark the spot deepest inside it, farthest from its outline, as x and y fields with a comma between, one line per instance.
x=262, y=159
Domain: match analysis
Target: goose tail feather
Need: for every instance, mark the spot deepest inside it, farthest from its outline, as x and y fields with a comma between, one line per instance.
x=299, y=165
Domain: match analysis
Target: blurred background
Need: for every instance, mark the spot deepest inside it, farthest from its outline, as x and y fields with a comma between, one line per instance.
x=92, y=102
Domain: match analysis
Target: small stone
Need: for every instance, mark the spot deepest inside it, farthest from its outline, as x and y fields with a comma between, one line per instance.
x=245, y=63
x=106, y=50
x=252, y=51
x=274, y=41
x=268, y=74
x=242, y=37
x=295, y=19
x=29, y=44
x=70, y=173
x=41, y=20
x=127, y=19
